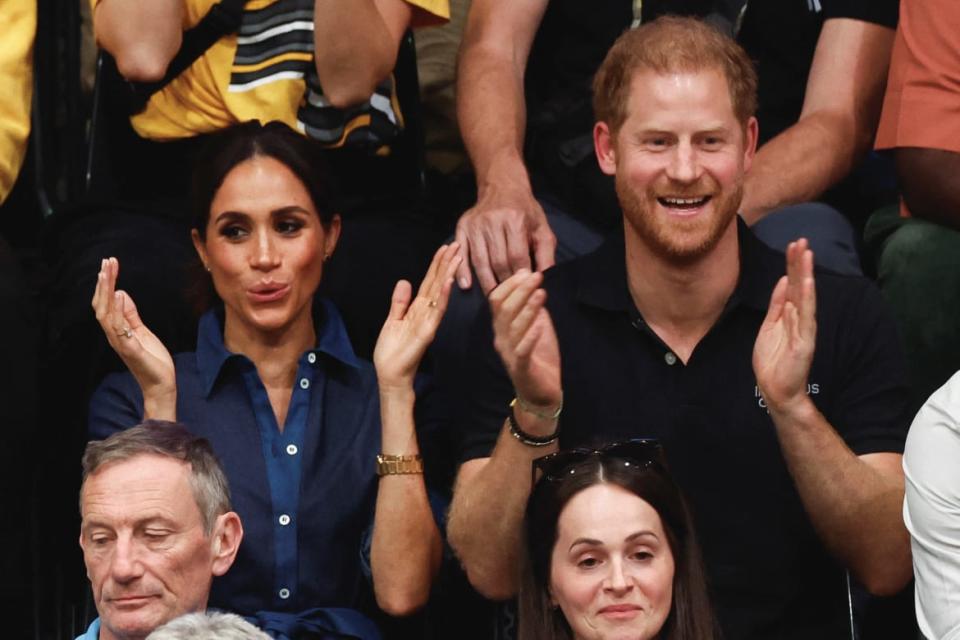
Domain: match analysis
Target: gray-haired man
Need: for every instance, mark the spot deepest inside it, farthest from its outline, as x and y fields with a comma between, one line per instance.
x=157, y=526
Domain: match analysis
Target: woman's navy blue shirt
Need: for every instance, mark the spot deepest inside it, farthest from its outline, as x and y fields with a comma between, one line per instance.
x=306, y=495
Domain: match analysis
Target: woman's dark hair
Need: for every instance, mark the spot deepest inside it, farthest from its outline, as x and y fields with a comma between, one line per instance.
x=691, y=616
x=232, y=146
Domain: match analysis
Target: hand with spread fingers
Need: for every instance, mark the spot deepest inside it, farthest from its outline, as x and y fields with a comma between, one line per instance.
x=143, y=353
x=498, y=235
x=526, y=341
x=783, y=352
x=411, y=325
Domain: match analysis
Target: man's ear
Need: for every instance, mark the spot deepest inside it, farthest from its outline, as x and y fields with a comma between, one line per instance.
x=751, y=134
x=225, y=541
x=604, y=146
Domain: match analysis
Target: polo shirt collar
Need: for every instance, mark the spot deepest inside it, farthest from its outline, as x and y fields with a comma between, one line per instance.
x=212, y=354
x=603, y=277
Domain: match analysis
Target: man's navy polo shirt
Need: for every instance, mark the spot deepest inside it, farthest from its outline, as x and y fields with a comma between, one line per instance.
x=770, y=575
x=305, y=495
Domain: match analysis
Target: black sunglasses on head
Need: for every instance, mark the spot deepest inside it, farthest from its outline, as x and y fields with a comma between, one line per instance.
x=640, y=453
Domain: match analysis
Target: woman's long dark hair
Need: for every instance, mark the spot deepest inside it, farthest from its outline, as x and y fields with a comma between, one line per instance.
x=691, y=616
x=230, y=147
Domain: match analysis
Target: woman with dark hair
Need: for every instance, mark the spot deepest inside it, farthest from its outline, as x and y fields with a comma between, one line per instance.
x=610, y=552
x=296, y=418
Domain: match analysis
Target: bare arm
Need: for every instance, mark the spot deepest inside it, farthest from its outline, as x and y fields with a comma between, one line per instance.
x=853, y=502
x=145, y=356
x=841, y=109
x=491, y=493
x=407, y=548
x=499, y=233
x=355, y=45
x=142, y=35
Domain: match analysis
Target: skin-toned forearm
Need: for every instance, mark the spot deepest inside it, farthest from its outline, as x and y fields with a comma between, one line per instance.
x=841, y=108
x=355, y=45
x=160, y=404
x=491, y=111
x=928, y=179
x=801, y=163
x=491, y=108
x=854, y=503
x=142, y=35
x=486, y=516
x=406, y=550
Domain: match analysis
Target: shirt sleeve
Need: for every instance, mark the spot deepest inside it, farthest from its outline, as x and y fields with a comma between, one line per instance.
x=484, y=400
x=931, y=510
x=16, y=88
x=873, y=407
x=881, y=12
x=117, y=404
x=921, y=106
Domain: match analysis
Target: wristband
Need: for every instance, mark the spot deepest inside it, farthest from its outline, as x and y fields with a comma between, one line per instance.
x=518, y=401
x=391, y=465
x=526, y=438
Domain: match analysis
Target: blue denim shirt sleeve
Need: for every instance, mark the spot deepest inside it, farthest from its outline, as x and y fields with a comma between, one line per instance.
x=117, y=404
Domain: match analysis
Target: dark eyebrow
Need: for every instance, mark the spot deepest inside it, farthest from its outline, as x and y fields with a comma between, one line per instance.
x=293, y=208
x=230, y=215
x=587, y=541
x=642, y=534
x=631, y=538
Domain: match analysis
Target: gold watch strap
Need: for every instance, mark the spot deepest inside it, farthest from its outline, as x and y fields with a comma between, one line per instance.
x=389, y=465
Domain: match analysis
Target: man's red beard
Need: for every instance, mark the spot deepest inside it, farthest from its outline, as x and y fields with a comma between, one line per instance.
x=679, y=241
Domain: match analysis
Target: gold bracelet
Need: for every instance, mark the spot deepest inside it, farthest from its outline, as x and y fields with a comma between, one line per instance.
x=526, y=407
x=390, y=465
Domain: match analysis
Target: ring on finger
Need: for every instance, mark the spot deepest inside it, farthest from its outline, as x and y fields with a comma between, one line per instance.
x=126, y=332
x=432, y=303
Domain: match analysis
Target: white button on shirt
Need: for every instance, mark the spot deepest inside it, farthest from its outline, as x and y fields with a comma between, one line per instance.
x=284, y=519
x=311, y=358
x=304, y=383
x=284, y=593
x=670, y=358
x=292, y=449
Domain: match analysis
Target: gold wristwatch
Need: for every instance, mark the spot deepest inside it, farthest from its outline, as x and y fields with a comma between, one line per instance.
x=388, y=465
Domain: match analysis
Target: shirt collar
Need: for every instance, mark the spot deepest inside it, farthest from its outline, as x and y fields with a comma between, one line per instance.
x=212, y=354
x=603, y=277
x=93, y=631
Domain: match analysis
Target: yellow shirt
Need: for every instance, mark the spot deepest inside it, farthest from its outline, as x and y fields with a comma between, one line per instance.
x=16, y=87
x=265, y=72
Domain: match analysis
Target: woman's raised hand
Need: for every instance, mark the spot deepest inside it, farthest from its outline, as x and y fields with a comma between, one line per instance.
x=525, y=339
x=143, y=353
x=411, y=325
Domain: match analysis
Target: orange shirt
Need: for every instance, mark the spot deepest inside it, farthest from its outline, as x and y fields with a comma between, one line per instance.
x=921, y=107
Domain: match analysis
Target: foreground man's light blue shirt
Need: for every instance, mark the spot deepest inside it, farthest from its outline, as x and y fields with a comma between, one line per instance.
x=305, y=494
x=93, y=631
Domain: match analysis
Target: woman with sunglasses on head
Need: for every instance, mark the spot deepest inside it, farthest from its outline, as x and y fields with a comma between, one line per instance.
x=610, y=552
x=296, y=418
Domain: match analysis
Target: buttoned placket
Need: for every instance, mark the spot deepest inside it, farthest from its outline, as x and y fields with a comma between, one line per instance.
x=283, y=453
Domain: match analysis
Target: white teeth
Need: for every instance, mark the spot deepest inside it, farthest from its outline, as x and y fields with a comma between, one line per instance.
x=684, y=202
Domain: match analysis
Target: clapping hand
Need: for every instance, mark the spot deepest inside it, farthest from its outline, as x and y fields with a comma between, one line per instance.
x=525, y=339
x=784, y=349
x=411, y=325
x=143, y=353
